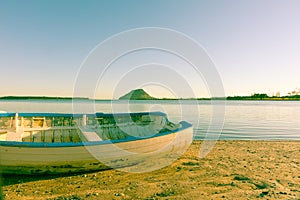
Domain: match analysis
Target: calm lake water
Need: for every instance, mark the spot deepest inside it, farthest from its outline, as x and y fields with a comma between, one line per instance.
x=250, y=120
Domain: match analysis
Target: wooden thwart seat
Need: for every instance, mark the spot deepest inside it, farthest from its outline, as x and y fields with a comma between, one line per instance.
x=91, y=136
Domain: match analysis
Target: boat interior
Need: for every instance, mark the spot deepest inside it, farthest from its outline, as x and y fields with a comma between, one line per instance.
x=54, y=127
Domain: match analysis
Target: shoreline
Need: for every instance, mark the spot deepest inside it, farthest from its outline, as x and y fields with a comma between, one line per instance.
x=232, y=170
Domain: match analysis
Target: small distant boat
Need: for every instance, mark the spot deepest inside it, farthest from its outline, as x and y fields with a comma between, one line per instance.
x=37, y=143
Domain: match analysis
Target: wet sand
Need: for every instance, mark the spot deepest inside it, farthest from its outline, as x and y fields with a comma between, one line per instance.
x=232, y=170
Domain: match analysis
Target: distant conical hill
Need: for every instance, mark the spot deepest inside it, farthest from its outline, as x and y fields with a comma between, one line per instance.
x=138, y=94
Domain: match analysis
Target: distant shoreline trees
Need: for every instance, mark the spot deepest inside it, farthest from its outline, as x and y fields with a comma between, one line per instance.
x=264, y=96
x=142, y=95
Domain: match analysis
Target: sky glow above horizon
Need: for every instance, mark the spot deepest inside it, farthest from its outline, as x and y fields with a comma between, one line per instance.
x=255, y=45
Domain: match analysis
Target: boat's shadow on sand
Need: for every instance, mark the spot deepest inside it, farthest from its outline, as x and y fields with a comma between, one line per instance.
x=12, y=179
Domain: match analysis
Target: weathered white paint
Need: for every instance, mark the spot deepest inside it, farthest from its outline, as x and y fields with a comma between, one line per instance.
x=91, y=136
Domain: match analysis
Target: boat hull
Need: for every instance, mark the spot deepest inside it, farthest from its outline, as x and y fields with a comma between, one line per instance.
x=132, y=155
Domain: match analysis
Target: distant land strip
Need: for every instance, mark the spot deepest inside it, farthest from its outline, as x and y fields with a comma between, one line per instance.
x=265, y=97
x=40, y=98
x=255, y=97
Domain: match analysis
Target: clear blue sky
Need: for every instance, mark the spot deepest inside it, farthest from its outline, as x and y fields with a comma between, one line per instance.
x=254, y=44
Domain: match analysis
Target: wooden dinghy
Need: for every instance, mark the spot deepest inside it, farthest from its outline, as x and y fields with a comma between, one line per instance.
x=33, y=143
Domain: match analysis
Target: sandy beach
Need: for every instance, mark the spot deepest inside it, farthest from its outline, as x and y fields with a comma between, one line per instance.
x=232, y=170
